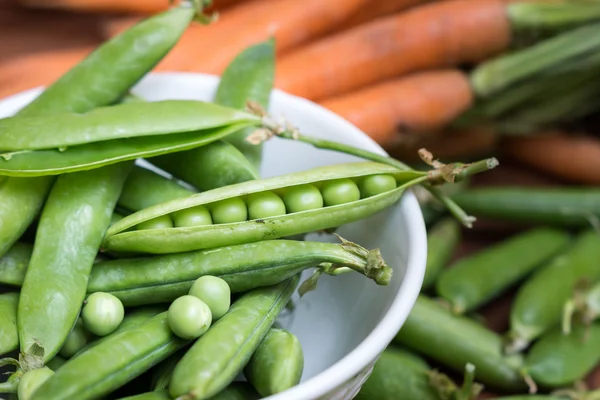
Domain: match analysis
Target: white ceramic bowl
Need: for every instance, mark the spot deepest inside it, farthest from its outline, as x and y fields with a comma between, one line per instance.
x=347, y=322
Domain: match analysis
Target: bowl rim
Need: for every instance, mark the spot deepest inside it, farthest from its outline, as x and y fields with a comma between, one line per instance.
x=369, y=349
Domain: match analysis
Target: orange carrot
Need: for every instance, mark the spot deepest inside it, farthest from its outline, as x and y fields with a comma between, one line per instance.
x=575, y=158
x=211, y=48
x=36, y=69
x=430, y=36
x=420, y=103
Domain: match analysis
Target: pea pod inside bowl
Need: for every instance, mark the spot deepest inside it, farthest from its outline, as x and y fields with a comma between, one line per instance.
x=347, y=321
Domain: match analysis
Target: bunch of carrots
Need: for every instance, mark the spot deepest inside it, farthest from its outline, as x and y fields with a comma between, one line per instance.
x=464, y=78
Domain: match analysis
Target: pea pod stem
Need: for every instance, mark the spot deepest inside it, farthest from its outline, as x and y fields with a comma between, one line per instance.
x=450, y=173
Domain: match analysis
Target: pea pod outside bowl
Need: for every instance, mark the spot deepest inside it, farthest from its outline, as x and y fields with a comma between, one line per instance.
x=366, y=316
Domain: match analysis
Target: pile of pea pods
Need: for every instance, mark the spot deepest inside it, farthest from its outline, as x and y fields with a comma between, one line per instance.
x=125, y=282
x=549, y=269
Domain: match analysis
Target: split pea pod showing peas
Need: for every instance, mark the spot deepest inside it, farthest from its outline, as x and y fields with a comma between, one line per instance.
x=558, y=360
x=277, y=363
x=76, y=215
x=139, y=281
x=563, y=207
x=218, y=356
x=118, y=359
x=108, y=135
x=474, y=280
x=539, y=302
x=454, y=340
x=442, y=240
x=9, y=337
x=264, y=209
x=128, y=57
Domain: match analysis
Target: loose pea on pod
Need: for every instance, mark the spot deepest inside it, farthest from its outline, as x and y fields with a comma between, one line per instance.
x=296, y=203
x=61, y=143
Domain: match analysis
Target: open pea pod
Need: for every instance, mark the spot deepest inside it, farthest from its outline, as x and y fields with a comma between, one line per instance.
x=128, y=235
x=100, y=154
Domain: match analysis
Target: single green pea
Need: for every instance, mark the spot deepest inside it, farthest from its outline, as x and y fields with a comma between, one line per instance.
x=303, y=198
x=162, y=222
x=376, y=184
x=76, y=339
x=229, y=211
x=213, y=291
x=195, y=216
x=340, y=191
x=189, y=317
x=31, y=380
x=265, y=205
x=102, y=313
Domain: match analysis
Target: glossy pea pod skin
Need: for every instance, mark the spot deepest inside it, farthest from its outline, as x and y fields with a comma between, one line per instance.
x=109, y=365
x=442, y=240
x=235, y=391
x=475, y=280
x=14, y=264
x=398, y=374
x=454, y=340
x=558, y=360
x=538, y=304
x=76, y=215
x=158, y=279
x=277, y=363
x=9, y=337
x=144, y=188
x=129, y=56
x=217, y=357
x=561, y=207
x=173, y=240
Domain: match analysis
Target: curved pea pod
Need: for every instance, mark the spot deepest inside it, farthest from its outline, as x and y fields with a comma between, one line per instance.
x=235, y=391
x=539, y=302
x=128, y=57
x=558, y=360
x=159, y=395
x=442, y=240
x=109, y=365
x=562, y=207
x=209, y=167
x=455, y=340
x=14, y=264
x=9, y=337
x=218, y=356
x=180, y=239
x=475, y=280
x=75, y=217
x=277, y=363
x=158, y=279
x=248, y=78
x=144, y=188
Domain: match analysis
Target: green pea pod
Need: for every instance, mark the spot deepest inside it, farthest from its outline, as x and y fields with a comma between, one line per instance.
x=249, y=77
x=532, y=397
x=109, y=365
x=96, y=155
x=121, y=121
x=14, y=264
x=32, y=380
x=144, y=188
x=180, y=239
x=559, y=360
x=128, y=57
x=161, y=395
x=208, y=167
x=277, y=363
x=131, y=319
x=585, y=304
x=216, y=358
x=159, y=279
x=455, y=340
x=475, y=280
x=9, y=337
x=562, y=207
x=76, y=215
x=442, y=241
x=56, y=363
x=538, y=304
x=235, y=391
